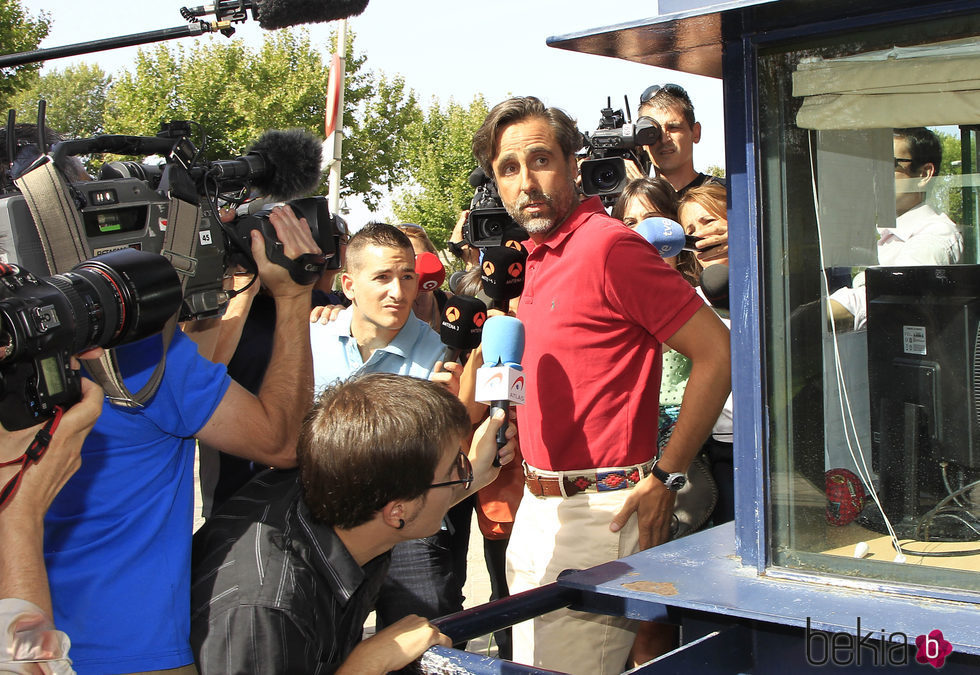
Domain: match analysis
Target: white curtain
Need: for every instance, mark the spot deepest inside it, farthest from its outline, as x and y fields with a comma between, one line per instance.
x=929, y=85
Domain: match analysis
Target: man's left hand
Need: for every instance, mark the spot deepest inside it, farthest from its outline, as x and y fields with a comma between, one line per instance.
x=654, y=507
x=294, y=233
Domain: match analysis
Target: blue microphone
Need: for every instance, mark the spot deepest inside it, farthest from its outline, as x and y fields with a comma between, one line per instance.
x=667, y=236
x=500, y=380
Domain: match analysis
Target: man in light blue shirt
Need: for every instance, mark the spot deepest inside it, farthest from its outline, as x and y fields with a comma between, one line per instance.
x=379, y=333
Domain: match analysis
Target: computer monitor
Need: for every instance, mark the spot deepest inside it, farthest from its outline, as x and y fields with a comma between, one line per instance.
x=923, y=361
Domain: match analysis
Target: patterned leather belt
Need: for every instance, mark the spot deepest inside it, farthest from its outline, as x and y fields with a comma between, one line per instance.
x=568, y=483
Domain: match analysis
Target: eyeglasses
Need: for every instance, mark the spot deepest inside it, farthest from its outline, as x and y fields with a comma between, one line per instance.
x=900, y=160
x=464, y=469
x=672, y=89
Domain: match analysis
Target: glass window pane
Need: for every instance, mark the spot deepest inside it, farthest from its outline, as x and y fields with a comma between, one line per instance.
x=872, y=302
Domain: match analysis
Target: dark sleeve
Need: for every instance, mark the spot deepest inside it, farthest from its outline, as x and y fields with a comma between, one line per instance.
x=250, y=639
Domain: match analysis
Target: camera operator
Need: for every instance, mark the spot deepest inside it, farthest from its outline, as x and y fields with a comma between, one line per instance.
x=28, y=640
x=673, y=155
x=118, y=537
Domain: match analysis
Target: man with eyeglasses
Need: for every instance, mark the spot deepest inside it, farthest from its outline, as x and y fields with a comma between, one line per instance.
x=921, y=236
x=286, y=573
x=673, y=155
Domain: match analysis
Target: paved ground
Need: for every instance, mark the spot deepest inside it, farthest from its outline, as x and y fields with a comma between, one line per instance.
x=476, y=590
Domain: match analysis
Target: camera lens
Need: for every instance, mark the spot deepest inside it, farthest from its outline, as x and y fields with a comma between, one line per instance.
x=603, y=176
x=118, y=297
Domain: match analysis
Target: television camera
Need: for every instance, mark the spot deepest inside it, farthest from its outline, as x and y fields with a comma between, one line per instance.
x=614, y=141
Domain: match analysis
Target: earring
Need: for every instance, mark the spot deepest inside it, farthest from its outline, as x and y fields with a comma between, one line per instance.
x=401, y=524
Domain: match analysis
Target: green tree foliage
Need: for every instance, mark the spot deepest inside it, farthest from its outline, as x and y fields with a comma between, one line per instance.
x=440, y=159
x=75, y=100
x=236, y=93
x=19, y=32
x=948, y=194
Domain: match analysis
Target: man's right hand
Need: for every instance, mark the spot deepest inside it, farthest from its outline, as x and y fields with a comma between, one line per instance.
x=394, y=647
x=294, y=233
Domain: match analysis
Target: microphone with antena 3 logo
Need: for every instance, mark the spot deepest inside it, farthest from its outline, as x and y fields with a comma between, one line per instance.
x=500, y=380
x=502, y=273
x=462, y=325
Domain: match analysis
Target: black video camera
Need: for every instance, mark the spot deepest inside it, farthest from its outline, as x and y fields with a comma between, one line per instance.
x=616, y=140
x=112, y=299
x=128, y=207
x=489, y=224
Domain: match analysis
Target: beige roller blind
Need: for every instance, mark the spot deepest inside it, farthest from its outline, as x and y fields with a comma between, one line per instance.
x=902, y=87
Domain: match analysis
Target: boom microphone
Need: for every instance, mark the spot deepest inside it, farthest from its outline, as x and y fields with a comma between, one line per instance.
x=274, y=14
x=280, y=164
x=430, y=270
x=667, y=236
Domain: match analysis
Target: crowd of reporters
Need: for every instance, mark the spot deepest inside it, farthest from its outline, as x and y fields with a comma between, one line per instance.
x=117, y=540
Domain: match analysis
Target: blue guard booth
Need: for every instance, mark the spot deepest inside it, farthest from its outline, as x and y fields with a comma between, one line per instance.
x=857, y=440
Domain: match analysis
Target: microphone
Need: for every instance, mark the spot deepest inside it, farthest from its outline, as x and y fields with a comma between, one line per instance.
x=502, y=273
x=280, y=164
x=274, y=14
x=430, y=270
x=462, y=325
x=714, y=285
x=500, y=380
x=667, y=236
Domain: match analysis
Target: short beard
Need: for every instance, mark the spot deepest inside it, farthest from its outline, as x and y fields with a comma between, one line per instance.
x=534, y=224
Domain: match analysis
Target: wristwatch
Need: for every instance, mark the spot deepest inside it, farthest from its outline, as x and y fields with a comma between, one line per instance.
x=673, y=481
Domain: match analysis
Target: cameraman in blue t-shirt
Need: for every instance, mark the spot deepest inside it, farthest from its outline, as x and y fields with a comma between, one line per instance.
x=118, y=536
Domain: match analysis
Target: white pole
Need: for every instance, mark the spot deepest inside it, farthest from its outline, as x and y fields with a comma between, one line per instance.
x=338, y=134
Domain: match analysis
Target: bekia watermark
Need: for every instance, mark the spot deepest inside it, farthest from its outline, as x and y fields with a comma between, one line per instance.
x=873, y=648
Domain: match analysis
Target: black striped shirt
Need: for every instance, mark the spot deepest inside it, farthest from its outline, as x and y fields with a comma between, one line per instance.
x=272, y=590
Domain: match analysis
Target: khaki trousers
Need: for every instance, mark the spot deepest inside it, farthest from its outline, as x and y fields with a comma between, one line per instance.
x=552, y=534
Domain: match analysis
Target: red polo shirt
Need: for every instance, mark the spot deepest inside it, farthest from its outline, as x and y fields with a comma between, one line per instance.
x=598, y=302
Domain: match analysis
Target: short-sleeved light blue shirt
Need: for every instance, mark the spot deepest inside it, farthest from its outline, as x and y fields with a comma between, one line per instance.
x=413, y=352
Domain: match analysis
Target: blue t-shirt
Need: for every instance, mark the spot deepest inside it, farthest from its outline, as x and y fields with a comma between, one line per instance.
x=414, y=351
x=117, y=539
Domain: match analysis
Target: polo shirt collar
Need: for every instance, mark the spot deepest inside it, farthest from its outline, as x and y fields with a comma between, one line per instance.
x=402, y=343
x=585, y=210
x=405, y=338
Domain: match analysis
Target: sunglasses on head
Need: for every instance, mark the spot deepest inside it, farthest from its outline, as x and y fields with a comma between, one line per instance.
x=672, y=89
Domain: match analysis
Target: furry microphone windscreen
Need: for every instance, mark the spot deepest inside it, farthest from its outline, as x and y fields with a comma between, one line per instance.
x=274, y=14
x=292, y=163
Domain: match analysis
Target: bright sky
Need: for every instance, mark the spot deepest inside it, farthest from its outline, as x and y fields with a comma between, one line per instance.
x=443, y=48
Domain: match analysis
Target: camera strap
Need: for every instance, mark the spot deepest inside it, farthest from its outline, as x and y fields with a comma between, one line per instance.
x=61, y=230
x=35, y=451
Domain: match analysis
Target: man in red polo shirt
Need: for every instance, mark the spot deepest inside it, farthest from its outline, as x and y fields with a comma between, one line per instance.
x=598, y=304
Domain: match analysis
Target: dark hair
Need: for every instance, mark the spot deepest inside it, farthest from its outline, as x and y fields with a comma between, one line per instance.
x=518, y=109
x=656, y=190
x=924, y=148
x=376, y=234
x=670, y=96
x=373, y=439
